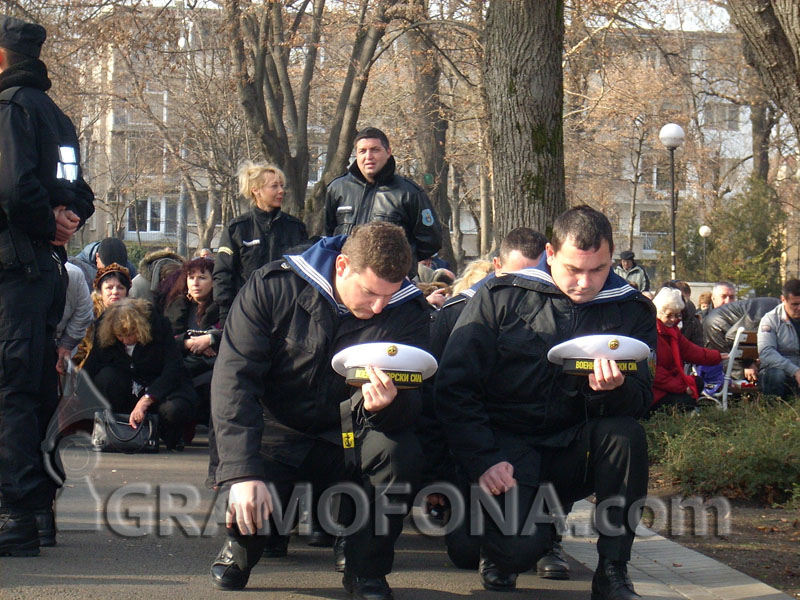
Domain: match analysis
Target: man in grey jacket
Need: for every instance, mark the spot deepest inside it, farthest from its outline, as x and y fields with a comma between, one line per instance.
x=779, y=344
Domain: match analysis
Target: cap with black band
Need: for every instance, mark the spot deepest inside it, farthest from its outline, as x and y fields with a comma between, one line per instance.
x=577, y=355
x=407, y=366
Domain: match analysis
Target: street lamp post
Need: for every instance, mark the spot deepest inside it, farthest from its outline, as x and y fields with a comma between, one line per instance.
x=672, y=136
x=704, y=232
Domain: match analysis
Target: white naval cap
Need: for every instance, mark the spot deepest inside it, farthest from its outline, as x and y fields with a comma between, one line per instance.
x=407, y=365
x=577, y=355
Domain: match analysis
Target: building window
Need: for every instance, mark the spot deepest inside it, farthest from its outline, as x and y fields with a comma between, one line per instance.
x=663, y=177
x=144, y=154
x=156, y=109
x=171, y=216
x=652, y=221
x=145, y=215
x=722, y=115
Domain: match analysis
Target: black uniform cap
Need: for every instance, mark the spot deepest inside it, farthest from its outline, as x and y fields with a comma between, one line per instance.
x=18, y=36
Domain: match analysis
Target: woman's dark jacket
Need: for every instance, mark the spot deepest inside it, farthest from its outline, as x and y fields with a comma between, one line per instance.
x=247, y=243
x=157, y=366
x=273, y=375
x=182, y=316
x=494, y=376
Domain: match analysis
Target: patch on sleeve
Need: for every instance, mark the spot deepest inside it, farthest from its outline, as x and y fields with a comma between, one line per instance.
x=225, y=250
x=427, y=217
x=766, y=328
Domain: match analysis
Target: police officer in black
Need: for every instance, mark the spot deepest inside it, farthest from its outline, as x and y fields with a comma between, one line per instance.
x=371, y=190
x=43, y=201
x=253, y=239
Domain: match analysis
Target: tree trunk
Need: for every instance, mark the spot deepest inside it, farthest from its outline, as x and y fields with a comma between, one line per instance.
x=762, y=122
x=524, y=84
x=458, y=237
x=343, y=125
x=772, y=31
x=431, y=130
x=637, y=162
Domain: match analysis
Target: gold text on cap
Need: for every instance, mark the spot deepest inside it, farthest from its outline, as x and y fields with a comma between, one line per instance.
x=613, y=344
x=391, y=350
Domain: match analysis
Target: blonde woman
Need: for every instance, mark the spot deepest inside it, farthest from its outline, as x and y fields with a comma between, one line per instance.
x=253, y=239
x=136, y=365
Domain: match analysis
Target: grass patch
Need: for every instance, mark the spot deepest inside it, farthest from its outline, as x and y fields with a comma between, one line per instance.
x=750, y=451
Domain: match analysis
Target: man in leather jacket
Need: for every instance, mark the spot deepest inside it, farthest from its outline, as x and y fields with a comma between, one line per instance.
x=43, y=201
x=276, y=401
x=372, y=191
x=516, y=421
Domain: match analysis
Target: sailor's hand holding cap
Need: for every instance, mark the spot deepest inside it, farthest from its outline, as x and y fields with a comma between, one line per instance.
x=404, y=366
x=379, y=392
x=606, y=376
x=605, y=358
x=498, y=479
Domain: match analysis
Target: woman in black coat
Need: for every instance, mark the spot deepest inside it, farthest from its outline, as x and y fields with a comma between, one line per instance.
x=194, y=318
x=255, y=238
x=192, y=312
x=136, y=364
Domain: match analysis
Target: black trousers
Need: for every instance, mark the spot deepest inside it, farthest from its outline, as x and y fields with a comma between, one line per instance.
x=29, y=312
x=384, y=459
x=174, y=411
x=608, y=458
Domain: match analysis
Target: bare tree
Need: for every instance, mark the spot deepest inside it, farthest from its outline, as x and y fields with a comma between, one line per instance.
x=524, y=84
x=772, y=31
x=275, y=49
x=170, y=69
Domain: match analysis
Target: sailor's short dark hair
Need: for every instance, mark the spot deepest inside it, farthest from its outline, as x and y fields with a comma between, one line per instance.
x=584, y=226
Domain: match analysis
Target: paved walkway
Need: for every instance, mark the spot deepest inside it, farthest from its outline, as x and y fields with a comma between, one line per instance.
x=143, y=552
x=661, y=568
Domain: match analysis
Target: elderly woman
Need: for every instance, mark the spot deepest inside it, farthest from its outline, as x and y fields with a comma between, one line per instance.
x=136, y=365
x=672, y=386
x=260, y=236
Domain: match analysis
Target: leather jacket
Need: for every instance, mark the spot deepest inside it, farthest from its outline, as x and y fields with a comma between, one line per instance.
x=351, y=200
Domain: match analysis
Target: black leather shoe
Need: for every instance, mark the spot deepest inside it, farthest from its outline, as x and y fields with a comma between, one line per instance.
x=18, y=535
x=338, y=555
x=46, y=526
x=611, y=581
x=367, y=588
x=320, y=539
x=277, y=546
x=553, y=565
x=230, y=570
x=494, y=579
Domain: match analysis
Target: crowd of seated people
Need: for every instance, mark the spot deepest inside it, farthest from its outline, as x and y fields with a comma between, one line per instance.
x=152, y=354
